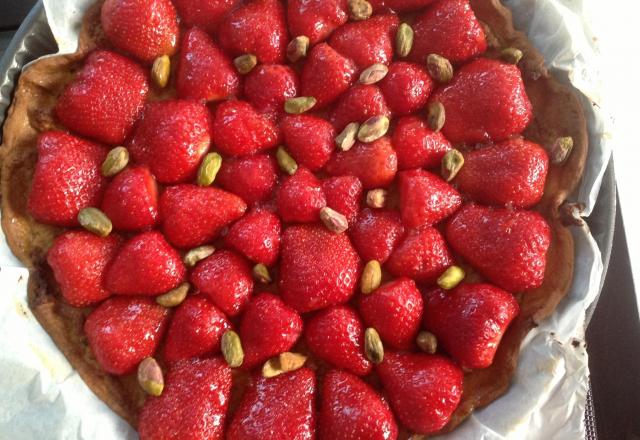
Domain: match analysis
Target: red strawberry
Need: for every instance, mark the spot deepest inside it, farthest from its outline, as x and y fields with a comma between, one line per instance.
x=486, y=100
x=417, y=145
x=268, y=328
x=395, y=311
x=422, y=255
x=282, y=407
x=359, y=104
x=171, y=139
x=267, y=87
x=343, y=194
x=351, y=409
x=375, y=164
x=316, y=19
x=326, y=75
x=426, y=199
x=469, y=321
x=252, y=178
x=318, y=268
x=196, y=329
x=507, y=247
x=424, y=390
x=145, y=29
x=226, y=278
x=300, y=197
x=309, y=139
x=400, y=5
x=448, y=28
x=145, y=265
x=105, y=98
x=205, y=14
x=131, y=200
x=204, y=71
x=510, y=173
x=192, y=215
x=258, y=28
x=406, y=87
x=256, y=236
x=123, y=331
x=78, y=260
x=193, y=405
x=376, y=233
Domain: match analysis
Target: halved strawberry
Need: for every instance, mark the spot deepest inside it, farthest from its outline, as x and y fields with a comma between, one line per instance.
x=417, y=145
x=316, y=19
x=131, y=200
x=309, y=139
x=358, y=104
x=375, y=164
x=376, y=233
x=343, y=194
x=205, y=14
x=256, y=236
x=406, y=87
x=267, y=87
x=300, y=197
x=326, y=75
x=252, y=178
x=400, y=5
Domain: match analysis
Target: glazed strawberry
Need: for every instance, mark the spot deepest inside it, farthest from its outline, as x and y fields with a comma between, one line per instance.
x=78, y=260
x=351, y=409
x=469, y=321
x=300, y=197
x=450, y=29
x=336, y=335
x=375, y=164
x=424, y=390
x=326, y=75
x=145, y=265
x=316, y=19
x=204, y=71
x=145, y=29
x=309, y=139
x=422, y=255
x=131, y=200
x=425, y=199
x=486, y=100
x=358, y=104
x=171, y=139
x=508, y=247
x=193, y=215
x=268, y=328
x=406, y=87
x=395, y=311
x=400, y=5
x=226, y=278
x=282, y=407
x=318, y=268
x=239, y=130
x=123, y=331
x=267, y=87
x=205, y=14
x=105, y=98
x=256, y=236
x=343, y=194
x=252, y=178
x=196, y=330
x=376, y=233
x=259, y=28
x=417, y=145
x=512, y=173
x=193, y=404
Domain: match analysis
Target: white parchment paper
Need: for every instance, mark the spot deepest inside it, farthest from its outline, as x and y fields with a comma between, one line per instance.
x=44, y=398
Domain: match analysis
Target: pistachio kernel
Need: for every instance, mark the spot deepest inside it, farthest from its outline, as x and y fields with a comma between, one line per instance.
x=161, y=70
x=297, y=48
x=286, y=162
x=427, y=342
x=117, y=160
x=373, y=128
x=347, y=138
x=371, y=277
x=360, y=9
x=195, y=255
x=283, y=363
x=451, y=277
x=231, y=347
x=209, y=169
x=299, y=105
x=373, y=347
x=377, y=198
x=436, y=115
x=439, y=68
x=245, y=63
x=404, y=40
x=261, y=273
x=96, y=221
x=150, y=377
x=571, y=213
x=373, y=74
x=561, y=150
x=452, y=163
x=333, y=220
x=511, y=55
x=174, y=297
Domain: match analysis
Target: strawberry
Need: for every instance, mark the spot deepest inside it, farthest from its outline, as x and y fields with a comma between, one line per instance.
x=336, y=336
x=239, y=130
x=422, y=255
x=426, y=199
x=171, y=139
x=318, y=268
x=256, y=236
x=395, y=311
x=512, y=173
x=204, y=71
x=351, y=409
x=424, y=390
x=417, y=145
x=145, y=265
x=400, y=5
x=196, y=330
x=300, y=197
x=406, y=87
x=309, y=139
x=259, y=28
x=226, y=278
x=343, y=194
x=316, y=19
x=145, y=29
x=78, y=260
x=105, y=98
x=131, y=200
x=193, y=215
x=252, y=178
x=205, y=14
x=67, y=178
x=193, y=405
x=469, y=321
x=376, y=233
x=326, y=75
x=375, y=164
x=268, y=328
x=358, y=104
x=507, y=247
x=448, y=28
x=123, y=331
x=281, y=407
x=267, y=87
x=486, y=100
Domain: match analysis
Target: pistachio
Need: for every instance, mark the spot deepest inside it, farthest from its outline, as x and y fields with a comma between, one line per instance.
x=373, y=347
x=371, y=277
x=161, y=70
x=452, y=163
x=298, y=48
x=561, y=150
x=511, y=55
x=150, y=377
x=231, y=347
x=271, y=368
x=571, y=213
x=377, y=198
x=245, y=63
x=451, y=277
x=435, y=115
x=373, y=128
x=286, y=162
x=360, y=9
x=209, y=169
x=283, y=363
x=373, y=74
x=299, y=105
x=96, y=221
x=116, y=161
x=427, y=342
x=347, y=138
x=333, y=220
x=404, y=40
x=195, y=255
x=439, y=68
x=174, y=297
x=261, y=273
